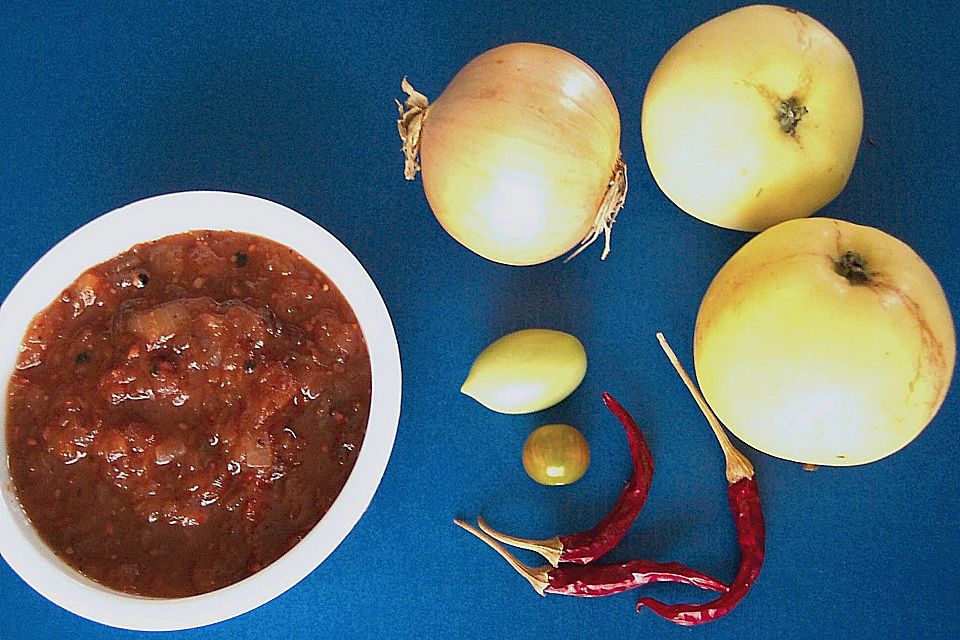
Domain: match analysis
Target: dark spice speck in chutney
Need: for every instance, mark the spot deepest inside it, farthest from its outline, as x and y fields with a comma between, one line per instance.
x=186, y=412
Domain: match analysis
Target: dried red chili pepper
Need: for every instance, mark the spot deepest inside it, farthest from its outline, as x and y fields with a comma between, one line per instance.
x=744, y=497
x=587, y=546
x=597, y=580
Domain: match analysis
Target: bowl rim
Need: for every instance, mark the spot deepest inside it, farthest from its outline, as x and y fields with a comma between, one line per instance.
x=153, y=218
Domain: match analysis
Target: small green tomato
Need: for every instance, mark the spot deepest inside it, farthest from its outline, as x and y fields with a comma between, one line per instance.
x=556, y=454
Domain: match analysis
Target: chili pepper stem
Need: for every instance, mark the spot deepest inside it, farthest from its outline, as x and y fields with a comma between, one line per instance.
x=738, y=467
x=537, y=577
x=549, y=549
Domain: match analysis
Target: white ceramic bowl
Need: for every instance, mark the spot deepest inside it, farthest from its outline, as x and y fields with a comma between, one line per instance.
x=147, y=220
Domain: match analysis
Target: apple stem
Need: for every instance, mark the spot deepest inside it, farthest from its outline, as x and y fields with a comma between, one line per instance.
x=853, y=267
x=789, y=114
x=738, y=467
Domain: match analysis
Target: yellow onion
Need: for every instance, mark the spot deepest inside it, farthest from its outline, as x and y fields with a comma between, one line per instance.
x=520, y=154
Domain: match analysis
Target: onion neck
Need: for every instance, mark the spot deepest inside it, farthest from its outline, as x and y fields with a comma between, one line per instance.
x=413, y=111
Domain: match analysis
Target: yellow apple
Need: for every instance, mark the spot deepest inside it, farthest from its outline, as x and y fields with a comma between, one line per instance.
x=753, y=118
x=825, y=342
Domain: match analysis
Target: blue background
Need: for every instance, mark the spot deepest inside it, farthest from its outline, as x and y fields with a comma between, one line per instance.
x=104, y=104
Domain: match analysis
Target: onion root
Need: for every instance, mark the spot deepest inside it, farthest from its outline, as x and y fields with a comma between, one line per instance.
x=613, y=199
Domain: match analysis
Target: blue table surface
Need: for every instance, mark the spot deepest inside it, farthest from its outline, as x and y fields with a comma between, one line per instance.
x=107, y=103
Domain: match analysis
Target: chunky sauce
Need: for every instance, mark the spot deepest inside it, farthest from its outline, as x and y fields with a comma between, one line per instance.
x=186, y=412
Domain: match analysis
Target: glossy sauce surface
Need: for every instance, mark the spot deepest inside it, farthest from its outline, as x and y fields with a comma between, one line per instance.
x=186, y=412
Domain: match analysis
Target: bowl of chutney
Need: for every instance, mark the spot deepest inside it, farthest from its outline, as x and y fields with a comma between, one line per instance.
x=202, y=394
